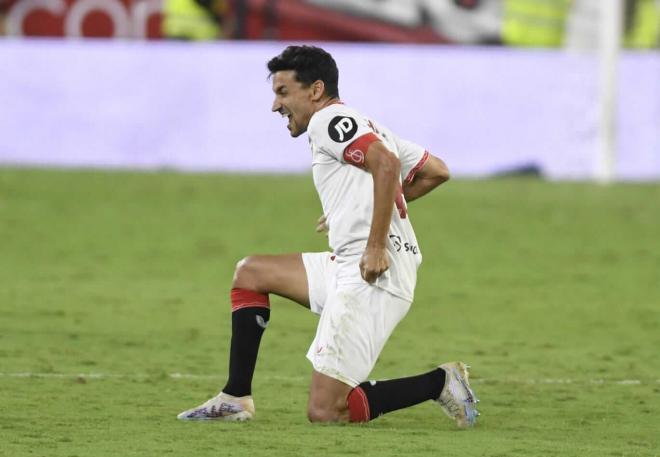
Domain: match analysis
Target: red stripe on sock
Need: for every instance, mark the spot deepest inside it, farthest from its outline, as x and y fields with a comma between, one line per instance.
x=243, y=298
x=358, y=406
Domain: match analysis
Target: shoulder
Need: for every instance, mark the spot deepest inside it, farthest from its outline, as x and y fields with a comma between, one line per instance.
x=336, y=124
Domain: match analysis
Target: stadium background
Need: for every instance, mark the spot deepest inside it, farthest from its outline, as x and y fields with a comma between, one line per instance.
x=139, y=161
x=487, y=109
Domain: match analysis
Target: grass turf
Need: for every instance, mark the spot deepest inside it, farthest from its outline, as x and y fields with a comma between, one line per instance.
x=550, y=290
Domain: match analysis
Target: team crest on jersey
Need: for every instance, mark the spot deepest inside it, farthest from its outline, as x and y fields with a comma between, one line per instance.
x=342, y=128
x=354, y=156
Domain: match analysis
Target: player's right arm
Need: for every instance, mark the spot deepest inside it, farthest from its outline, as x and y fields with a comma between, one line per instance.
x=433, y=173
x=385, y=170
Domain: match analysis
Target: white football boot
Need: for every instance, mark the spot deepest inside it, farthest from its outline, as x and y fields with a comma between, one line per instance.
x=223, y=407
x=457, y=399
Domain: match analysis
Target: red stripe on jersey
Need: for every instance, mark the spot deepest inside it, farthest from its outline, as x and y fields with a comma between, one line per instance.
x=356, y=152
x=416, y=168
x=400, y=203
x=243, y=298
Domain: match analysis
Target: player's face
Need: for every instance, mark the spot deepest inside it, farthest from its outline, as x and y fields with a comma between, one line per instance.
x=293, y=100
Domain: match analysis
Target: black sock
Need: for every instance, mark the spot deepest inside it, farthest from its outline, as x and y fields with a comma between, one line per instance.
x=391, y=395
x=247, y=326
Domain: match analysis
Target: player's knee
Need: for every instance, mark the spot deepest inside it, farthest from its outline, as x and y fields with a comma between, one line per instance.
x=246, y=274
x=327, y=409
x=321, y=414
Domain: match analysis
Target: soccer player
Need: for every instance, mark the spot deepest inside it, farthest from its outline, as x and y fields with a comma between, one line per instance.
x=364, y=175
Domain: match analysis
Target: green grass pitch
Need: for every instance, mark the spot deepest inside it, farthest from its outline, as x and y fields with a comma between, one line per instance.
x=551, y=291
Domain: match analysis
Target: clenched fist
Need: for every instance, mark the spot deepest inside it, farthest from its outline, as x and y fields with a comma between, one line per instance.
x=374, y=262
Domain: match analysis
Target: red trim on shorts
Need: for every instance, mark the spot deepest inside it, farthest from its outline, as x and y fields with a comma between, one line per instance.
x=416, y=168
x=358, y=405
x=243, y=298
x=356, y=152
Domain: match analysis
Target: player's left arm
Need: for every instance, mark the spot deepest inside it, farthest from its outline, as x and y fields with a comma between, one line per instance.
x=433, y=173
x=385, y=169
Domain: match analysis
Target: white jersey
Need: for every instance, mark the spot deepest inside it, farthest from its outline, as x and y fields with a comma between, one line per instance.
x=339, y=137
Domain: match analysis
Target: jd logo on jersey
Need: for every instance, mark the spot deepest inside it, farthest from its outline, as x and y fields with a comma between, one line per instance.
x=342, y=128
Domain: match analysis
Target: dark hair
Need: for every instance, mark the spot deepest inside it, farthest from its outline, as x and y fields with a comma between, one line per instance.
x=310, y=64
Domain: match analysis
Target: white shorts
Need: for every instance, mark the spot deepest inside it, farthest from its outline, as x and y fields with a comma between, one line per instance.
x=356, y=321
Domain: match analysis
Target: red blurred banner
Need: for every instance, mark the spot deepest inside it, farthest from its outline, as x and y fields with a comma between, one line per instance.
x=84, y=18
x=249, y=19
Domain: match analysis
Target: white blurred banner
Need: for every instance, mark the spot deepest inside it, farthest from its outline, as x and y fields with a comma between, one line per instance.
x=207, y=106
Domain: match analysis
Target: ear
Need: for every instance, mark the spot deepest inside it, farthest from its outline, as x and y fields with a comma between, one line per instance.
x=318, y=89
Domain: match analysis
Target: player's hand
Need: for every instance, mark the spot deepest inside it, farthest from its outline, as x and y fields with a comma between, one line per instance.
x=374, y=262
x=322, y=225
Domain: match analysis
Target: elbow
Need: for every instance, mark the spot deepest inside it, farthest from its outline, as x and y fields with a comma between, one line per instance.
x=395, y=166
x=390, y=166
x=443, y=175
x=435, y=170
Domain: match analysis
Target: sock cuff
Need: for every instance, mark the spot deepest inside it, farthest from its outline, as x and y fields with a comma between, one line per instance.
x=243, y=298
x=358, y=405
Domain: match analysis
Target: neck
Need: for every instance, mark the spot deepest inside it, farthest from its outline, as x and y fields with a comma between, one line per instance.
x=327, y=102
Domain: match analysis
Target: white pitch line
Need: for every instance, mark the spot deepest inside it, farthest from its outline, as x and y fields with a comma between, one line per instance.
x=27, y=374
x=622, y=382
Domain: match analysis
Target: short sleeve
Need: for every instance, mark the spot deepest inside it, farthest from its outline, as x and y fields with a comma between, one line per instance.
x=412, y=157
x=342, y=135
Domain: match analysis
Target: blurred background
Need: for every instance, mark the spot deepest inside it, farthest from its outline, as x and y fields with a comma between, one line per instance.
x=566, y=89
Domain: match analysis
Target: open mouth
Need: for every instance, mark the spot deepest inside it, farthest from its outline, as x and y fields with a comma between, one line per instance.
x=288, y=116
